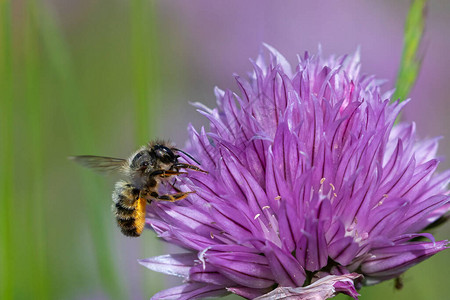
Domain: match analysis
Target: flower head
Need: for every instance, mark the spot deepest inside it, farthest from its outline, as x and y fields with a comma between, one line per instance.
x=311, y=186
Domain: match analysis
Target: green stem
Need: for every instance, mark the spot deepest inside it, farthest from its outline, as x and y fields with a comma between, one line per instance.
x=33, y=112
x=410, y=62
x=7, y=274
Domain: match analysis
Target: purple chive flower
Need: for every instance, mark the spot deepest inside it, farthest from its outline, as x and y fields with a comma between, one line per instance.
x=312, y=189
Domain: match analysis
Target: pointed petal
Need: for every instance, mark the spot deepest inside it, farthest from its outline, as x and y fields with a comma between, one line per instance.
x=323, y=288
x=248, y=293
x=171, y=264
x=208, y=274
x=286, y=269
x=389, y=262
x=244, y=268
x=191, y=291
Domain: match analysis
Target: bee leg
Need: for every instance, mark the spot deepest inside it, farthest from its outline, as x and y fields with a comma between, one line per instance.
x=174, y=187
x=188, y=166
x=165, y=173
x=170, y=197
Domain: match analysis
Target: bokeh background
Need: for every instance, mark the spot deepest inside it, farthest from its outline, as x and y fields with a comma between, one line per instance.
x=105, y=76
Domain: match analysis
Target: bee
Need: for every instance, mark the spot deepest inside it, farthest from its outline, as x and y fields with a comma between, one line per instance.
x=144, y=170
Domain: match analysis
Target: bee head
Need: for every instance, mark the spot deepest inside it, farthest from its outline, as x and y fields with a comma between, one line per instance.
x=148, y=160
x=164, y=155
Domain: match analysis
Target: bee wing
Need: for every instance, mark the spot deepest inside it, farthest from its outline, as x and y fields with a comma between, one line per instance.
x=100, y=164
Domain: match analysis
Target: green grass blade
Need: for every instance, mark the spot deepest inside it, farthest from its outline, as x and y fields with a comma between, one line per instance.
x=144, y=67
x=140, y=62
x=74, y=106
x=34, y=222
x=145, y=70
x=410, y=62
x=7, y=274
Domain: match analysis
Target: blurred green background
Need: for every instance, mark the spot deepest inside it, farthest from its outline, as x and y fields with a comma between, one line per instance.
x=103, y=77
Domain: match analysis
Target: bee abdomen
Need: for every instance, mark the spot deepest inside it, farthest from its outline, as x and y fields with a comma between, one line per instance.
x=123, y=212
x=128, y=227
x=126, y=220
x=129, y=209
x=130, y=232
x=131, y=227
x=126, y=223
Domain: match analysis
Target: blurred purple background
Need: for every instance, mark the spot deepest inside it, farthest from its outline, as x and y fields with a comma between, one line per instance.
x=204, y=42
x=210, y=41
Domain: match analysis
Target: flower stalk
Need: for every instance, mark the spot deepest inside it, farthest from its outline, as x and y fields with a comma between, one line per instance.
x=410, y=62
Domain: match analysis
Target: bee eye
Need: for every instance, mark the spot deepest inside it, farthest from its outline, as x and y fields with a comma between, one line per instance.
x=144, y=164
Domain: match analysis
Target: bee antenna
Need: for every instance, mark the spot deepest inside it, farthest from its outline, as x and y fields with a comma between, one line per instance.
x=187, y=154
